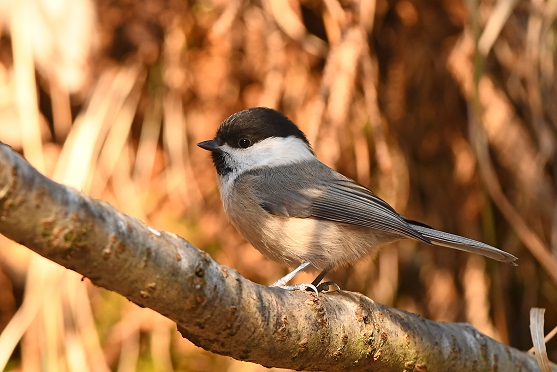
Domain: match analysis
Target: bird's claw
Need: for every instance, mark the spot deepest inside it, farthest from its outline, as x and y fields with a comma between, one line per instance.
x=325, y=286
x=299, y=287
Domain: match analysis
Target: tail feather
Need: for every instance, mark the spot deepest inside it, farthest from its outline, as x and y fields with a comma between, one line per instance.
x=464, y=244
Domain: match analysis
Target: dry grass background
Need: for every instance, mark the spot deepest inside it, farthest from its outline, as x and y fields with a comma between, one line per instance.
x=110, y=97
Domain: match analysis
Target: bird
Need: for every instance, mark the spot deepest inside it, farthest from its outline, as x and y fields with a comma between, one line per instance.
x=298, y=211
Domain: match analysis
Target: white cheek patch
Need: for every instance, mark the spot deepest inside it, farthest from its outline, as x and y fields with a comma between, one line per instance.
x=270, y=152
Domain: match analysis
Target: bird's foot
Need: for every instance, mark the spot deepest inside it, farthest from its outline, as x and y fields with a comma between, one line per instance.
x=326, y=287
x=299, y=287
x=314, y=286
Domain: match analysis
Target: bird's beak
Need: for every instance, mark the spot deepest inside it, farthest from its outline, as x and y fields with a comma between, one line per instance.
x=210, y=145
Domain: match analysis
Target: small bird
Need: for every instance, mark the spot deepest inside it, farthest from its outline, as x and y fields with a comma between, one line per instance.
x=298, y=211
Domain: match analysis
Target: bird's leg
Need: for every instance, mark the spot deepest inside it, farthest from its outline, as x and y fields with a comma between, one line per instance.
x=325, y=285
x=288, y=277
x=319, y=277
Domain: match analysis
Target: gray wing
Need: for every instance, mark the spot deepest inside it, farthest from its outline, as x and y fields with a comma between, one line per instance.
x=316, y=191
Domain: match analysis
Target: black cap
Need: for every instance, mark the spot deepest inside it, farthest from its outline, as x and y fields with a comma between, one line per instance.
x=256, y=124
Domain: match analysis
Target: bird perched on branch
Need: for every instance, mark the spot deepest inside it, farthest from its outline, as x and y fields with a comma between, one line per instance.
x=296, y=210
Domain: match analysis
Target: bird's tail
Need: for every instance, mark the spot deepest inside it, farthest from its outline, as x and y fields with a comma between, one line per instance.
x=464, y=244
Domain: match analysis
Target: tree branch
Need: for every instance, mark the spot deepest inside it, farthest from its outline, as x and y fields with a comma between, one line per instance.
x=216, y=308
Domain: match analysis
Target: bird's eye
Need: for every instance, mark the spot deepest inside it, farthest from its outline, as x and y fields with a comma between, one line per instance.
x=244, y=143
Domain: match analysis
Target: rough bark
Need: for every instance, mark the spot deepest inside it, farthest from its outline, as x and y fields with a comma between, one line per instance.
x=217, y=309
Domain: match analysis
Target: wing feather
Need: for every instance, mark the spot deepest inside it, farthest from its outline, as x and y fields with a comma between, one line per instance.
x=295, y=192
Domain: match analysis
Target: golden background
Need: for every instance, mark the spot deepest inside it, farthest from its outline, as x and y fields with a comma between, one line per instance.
x=446, y=109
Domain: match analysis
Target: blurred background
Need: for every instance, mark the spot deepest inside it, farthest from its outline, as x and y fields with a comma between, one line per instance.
x=446, y=109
